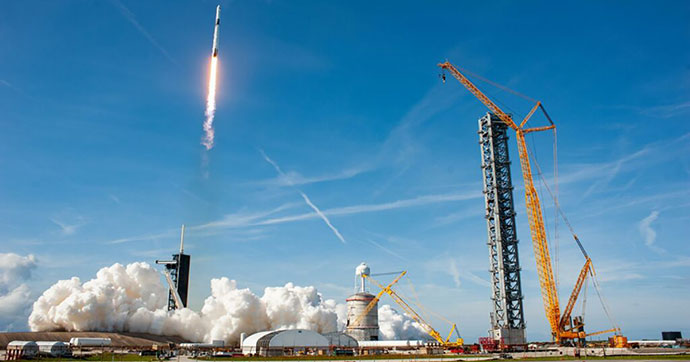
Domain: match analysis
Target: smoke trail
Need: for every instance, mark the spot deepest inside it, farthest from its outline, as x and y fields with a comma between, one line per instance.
x=305, y=197
x=210, y=105
x=132, y=298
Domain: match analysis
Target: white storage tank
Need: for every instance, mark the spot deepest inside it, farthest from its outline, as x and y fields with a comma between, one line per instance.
x=89, y=342
x=21, y=349
x=53, y=348
x=367, y=329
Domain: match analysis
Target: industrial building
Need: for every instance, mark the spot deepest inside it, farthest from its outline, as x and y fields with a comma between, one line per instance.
x=367, y=327
x=90, y=341
x=291, y=342
x=53, y=348
x=117, y=340
x=17, y=350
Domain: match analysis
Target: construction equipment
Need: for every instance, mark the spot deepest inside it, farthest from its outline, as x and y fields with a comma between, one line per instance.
x=374, y=301
x=564, y=329
x=446, y=343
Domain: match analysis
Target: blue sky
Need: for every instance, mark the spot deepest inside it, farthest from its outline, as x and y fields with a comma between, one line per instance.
x=101, y=106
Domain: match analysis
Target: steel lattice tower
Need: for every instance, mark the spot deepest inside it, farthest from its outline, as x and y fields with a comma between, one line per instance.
x=507, y=319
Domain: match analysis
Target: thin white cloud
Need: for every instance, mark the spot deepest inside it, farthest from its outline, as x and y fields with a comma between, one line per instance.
x=648, y=233
x=243, y=219
x=307, y=200
x=611, y=170
x=132, y=19
x=166, y=234
x=15, y=268
x=68, y=229
x=295, y=178
x=454, y=272
x=15, y=295
x=367, y=208
x=385, y=249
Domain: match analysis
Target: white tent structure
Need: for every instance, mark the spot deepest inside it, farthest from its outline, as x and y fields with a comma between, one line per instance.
x=288, y=342
x=53, y=348
x=21, y=349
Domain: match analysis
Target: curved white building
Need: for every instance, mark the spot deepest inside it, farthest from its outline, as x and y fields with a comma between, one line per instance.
x=53, y=348
x=341, y=340
x=21, y=350
x=285, y=342
x=89, y=342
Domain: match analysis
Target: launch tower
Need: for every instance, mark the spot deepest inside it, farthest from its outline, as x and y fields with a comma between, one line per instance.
x=177, y=274
x=507, y=319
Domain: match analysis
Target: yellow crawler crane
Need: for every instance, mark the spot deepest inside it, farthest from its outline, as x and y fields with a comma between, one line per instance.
x=564, y=329
x=446, y=343
x=373, y=302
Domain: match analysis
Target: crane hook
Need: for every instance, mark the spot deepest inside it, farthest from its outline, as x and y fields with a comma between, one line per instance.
x=443, y=77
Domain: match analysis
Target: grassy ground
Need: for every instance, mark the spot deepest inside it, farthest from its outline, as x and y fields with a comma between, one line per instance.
x=338, y=358
x=633, y=357
x=135, y=357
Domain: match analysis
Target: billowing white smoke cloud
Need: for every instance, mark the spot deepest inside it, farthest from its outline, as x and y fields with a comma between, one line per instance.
x=393, y=325
x=15, y=296
x=133, y=299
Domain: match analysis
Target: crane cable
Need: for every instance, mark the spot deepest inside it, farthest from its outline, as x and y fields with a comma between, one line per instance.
x=555, y=211
x=497, y=85
x=595, y=282
x=422, y=308
x=558, y=209
x=555, y=157
x=604, y=305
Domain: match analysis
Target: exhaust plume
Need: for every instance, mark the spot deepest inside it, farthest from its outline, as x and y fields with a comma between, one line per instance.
x=305, y=197
x=211, y=98
x=133, y=298
x=210, y=105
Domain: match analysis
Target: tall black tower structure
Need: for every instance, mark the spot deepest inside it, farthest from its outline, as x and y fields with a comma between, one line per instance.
x=177, y=274
x=507, y=318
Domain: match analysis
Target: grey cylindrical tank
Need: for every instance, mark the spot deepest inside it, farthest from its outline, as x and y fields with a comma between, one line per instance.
x=368, y=327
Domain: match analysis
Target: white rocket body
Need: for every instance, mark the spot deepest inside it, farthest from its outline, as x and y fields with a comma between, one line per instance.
x=215, y=33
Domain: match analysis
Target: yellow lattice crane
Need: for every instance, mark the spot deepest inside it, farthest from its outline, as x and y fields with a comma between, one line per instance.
x=563, y=327
x=373, y=302
x=446, y=343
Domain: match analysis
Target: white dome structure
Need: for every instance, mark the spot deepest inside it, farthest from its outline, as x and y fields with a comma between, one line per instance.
x=285, y=342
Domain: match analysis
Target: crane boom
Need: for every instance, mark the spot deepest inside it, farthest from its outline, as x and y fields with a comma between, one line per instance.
x=373, y=302
x=414, y=315
x=576, y=291
x=477, y=93
x=558, y=323
x=534, y=213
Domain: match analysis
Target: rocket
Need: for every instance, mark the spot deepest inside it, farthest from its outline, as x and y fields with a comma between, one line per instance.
x=215, y=32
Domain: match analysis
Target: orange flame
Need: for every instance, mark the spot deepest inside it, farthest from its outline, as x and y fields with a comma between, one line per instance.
x=210, y=105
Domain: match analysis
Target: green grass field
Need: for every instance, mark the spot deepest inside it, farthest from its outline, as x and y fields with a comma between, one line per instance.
x=136, y=357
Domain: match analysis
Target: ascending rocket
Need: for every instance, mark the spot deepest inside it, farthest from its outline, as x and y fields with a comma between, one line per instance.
x=215, y=32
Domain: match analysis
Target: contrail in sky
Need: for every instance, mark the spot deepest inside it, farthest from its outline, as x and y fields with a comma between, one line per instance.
x=305, y=197
x=132, y=19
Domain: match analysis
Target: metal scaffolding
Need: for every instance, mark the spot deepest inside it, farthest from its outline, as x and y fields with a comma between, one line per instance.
x=507, y=319
x=177, y=274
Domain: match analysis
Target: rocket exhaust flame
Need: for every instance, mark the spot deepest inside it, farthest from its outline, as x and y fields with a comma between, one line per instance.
x=211, y=98
x=210, y=105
